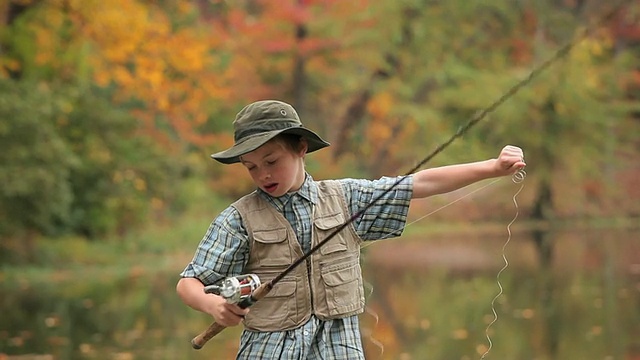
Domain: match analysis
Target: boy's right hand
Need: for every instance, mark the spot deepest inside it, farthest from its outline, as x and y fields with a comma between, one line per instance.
x=224, y=313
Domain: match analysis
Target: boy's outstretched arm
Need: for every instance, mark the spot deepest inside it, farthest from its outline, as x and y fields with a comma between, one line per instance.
x=444, y=179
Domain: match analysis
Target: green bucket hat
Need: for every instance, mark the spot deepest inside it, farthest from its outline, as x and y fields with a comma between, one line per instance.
x=260, y=122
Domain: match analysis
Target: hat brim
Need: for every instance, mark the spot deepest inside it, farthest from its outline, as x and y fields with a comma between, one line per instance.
x=232, y=155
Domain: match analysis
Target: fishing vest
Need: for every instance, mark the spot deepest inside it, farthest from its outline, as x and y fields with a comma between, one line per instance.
x=328, y=284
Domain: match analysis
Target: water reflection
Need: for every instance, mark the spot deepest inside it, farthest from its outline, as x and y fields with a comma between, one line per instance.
x=430, y=298
x=580, y=300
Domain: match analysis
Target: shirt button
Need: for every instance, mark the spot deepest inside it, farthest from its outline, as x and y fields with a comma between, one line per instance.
x=306, y=333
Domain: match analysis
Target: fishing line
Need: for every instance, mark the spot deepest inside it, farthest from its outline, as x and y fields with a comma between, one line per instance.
x=369, y=331
x=376, y=318
x=517, y=178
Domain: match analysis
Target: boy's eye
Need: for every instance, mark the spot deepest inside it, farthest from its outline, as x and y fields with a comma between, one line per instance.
x=271, y=162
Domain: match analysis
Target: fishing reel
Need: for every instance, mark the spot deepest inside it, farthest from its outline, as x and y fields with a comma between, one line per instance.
x=235, y=289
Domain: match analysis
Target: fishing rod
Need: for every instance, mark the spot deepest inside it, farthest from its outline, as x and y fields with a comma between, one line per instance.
x=246, y=290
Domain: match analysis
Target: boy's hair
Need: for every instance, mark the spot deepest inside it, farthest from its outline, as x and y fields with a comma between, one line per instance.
x=290, y=141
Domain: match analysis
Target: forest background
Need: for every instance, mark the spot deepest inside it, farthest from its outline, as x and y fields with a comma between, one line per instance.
x=109, y=109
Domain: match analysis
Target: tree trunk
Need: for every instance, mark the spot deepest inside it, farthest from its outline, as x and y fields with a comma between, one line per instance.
x=356, y=109
x=299, y=75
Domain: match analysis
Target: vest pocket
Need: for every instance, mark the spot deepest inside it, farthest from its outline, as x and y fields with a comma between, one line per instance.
x=267, y=247
x=343, y=288
x=277, y=310
x=325, y=226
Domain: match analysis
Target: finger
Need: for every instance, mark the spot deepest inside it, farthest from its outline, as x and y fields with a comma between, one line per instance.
x=236, y=310
x=512, y=148
x=230, y=319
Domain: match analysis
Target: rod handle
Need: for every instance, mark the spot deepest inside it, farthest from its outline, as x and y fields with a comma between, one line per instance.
x=199, y=341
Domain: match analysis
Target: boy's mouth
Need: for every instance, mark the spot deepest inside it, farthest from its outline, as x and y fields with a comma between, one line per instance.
x=270, y=187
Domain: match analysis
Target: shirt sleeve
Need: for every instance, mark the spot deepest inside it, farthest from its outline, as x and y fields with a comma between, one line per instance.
x=223, y=251
x=387, y=216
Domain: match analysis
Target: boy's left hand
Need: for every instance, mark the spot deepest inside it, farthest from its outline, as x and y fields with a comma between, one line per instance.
x=510, y=160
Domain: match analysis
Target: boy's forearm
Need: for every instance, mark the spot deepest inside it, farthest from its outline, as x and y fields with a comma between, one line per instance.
x=191, y=291
x=444, y=179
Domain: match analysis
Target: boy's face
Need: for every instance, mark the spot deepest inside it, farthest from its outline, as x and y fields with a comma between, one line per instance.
x=275, y=168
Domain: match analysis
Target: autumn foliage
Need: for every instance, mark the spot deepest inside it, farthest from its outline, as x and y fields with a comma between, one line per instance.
x=384, y=81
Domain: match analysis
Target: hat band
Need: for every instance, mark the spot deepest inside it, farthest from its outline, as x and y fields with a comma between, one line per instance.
x=265, y=126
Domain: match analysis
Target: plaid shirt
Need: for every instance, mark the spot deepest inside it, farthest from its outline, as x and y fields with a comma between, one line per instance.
x=224, y=251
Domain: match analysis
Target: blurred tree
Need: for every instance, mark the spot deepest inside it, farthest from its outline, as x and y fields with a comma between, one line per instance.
x=380, y=79
x=429, y=67
x=35, y=168
x=73, y=163
x=121, y=176
x=107, y=176
x=155, y=56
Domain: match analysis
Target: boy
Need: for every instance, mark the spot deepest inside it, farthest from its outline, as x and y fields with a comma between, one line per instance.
x=312, y=313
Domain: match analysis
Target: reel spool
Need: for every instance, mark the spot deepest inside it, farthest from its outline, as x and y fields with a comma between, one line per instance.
x=236, y=288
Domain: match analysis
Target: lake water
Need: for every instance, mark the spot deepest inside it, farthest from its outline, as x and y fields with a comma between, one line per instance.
x=428, y=298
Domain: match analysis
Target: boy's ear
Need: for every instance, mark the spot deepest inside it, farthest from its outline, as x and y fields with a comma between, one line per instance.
x=304, y=146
